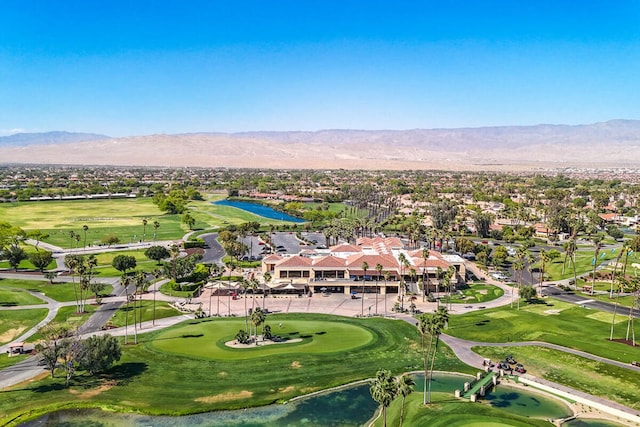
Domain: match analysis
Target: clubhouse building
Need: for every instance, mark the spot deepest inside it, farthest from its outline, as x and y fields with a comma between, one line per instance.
x=341, y=268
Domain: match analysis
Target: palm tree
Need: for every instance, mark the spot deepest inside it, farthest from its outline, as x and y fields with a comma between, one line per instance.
x=379, y=270
x=125, y=281
x=518, y=265
x=595, y=264
x=245, y=285
x=156, y=225
x=425, y=283
x=257, y=318
x=72, y=236
x=383, y=390
x=71, y=263
x=405, y=388
x=424, y=326
x=144, y=228
x=404, y=262
x=634, y=288
x=231, y=266
x=386, y=279
x=267, y=278
x=544, y=258
x=84, y=229
x=440, y=321
x=365, y=267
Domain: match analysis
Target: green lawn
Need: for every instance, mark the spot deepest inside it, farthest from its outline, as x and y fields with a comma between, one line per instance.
x=447, y=411
x=14, y=323
x=318, y=337
x=476, y=292
x=59, y=291
x=15, y=296
x=163, y=309
x=150, y=380
x=555, y=322
x=600, y=379
x=553, y=270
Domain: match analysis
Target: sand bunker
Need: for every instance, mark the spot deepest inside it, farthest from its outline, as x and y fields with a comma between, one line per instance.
x=225, y=397
x=236, y=344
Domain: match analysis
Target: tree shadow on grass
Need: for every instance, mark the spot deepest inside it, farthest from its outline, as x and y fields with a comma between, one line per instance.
x=191, y=335
x=45, y=388
x=125, y=372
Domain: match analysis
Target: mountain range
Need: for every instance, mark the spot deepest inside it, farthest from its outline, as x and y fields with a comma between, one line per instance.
x=614, y=143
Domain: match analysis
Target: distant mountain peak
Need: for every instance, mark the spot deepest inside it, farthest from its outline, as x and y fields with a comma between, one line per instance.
x=53, y=137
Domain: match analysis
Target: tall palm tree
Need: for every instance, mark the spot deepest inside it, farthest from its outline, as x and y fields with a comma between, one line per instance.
x=386, y=276
x=634, y=288
x=84, y=229
x=379, y=270
x=245, y=286
x=425, y=281
x=144, y=228
x=72, y=235
x=544, y=258
x=125, y=281
x=257, y=318
x=595, y=264
x=156, y=225
x=405, y=388
x=440, y=321
x=404, y=262
x=424, y=326
x=267, y=278
x=365, y=267
x=71, y=263
x=518, y=265
x=383, y=390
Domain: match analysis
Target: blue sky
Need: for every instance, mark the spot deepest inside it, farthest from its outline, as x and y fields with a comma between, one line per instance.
x=144, y=67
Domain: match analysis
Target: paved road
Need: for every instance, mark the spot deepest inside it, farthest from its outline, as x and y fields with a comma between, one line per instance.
x=214, y=253
x=586, y=301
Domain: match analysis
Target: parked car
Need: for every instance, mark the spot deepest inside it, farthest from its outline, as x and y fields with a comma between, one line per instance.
x=510, y=360
x=520, y=368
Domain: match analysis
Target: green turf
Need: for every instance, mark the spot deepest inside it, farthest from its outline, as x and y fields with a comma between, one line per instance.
x=604, y=380
x=475, y=293
x=59, y=291
x=14, y=296
x=152, y=381
x=318, y=337
x=447, y=411
x=553, y=270
x=163, y=309
x=14, y=323
x=554, y=321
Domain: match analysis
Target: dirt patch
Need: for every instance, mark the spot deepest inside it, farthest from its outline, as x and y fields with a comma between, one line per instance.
x=225, y=397
x=286, y=389
x=482, y=291
x=551, y=312
x=10, y=334
x=296, y=365
x=192, y=251
x=94, y=391
x=222, y=374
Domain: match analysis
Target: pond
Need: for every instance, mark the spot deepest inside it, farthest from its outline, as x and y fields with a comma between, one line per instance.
x=349, y=406
x=260, y=210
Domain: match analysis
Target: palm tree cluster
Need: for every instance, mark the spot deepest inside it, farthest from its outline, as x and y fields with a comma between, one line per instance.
x=431, y=325
x=385, y=388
